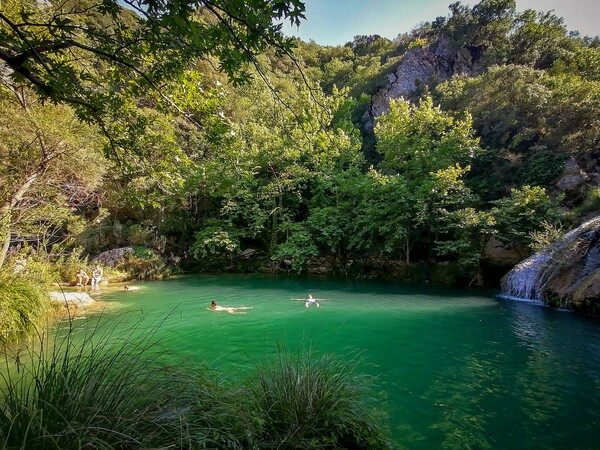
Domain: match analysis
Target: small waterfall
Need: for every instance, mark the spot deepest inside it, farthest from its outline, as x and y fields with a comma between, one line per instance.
x=528, y=279
x=523, y=281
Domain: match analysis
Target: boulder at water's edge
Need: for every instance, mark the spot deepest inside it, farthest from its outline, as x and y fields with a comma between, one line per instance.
x=565, y=275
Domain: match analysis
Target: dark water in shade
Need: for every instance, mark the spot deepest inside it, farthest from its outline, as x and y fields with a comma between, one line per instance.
x=455, y=369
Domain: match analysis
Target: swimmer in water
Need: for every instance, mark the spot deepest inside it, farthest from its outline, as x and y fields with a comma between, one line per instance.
x=230, y=309
x=311, y=301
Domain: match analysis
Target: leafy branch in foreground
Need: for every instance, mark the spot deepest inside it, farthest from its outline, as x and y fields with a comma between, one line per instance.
x=83, y=52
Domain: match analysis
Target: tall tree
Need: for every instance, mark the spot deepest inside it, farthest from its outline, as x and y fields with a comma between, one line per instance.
x=88, y=52
x=49, y=164
x=427, y=151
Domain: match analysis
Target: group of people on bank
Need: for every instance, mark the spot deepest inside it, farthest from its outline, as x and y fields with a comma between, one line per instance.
x=83, y=279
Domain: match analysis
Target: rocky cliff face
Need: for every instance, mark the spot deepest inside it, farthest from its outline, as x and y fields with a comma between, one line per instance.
x=572, y=181
x=114, y=257
x=434, y=63
x=566, y=275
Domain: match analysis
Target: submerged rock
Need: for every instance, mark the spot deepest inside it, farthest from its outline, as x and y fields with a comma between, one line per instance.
x=76, y=298
x=567, y=274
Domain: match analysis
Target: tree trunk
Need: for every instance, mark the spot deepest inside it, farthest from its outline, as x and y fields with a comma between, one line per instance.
x=273, y=228
x=6, y=209
x=6, y=212
x=5, y=230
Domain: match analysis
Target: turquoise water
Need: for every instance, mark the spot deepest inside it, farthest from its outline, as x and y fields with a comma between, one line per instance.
x=455, y=369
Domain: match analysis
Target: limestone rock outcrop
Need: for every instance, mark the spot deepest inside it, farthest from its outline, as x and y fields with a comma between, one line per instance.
x=112, y=258
x=572, y=180
x=436, y=62
x=565, y=275
x=497, y=252
x=75, y=298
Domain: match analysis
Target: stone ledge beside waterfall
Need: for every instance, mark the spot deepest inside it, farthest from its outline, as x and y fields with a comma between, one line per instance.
x=566, y=275
x=75, y=298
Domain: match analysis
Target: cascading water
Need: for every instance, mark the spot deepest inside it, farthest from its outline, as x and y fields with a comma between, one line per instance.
x=523, y=281
x=570, y=260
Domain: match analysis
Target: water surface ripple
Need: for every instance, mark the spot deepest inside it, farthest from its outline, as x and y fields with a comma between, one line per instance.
x=455, y=369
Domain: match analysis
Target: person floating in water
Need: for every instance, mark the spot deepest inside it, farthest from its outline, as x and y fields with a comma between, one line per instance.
x=311, y=301
x=230, y=309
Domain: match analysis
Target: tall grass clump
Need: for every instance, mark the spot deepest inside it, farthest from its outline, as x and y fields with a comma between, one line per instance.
x=102, y=389
x=22, y=306
x=311, y=402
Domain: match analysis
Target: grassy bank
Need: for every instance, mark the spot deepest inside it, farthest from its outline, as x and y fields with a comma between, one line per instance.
x=24, y=280
x=23, y=306
x=95, y=388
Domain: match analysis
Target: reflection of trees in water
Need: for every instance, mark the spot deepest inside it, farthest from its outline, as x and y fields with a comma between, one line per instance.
x=456, y=386
x=513, y=385
x=460, y=391
x=562, y=369
x=539, y=391
x=537, y=384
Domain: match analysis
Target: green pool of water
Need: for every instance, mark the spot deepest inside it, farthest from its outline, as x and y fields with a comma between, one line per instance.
x=455, y=368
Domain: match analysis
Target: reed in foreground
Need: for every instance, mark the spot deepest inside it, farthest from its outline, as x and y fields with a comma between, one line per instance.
x=22, y=306
x=98, y=388
x=314, y=402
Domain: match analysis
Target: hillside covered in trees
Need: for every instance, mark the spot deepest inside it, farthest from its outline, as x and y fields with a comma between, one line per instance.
x=146, y=138
x=447, y=154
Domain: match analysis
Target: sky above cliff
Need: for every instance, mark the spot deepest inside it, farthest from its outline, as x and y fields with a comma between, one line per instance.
x=335, y=22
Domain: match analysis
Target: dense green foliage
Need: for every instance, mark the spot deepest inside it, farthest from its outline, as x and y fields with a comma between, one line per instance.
x=93, y=387
x=94, y=54
x=196, y=133
x=531, y=122
x=223, y=165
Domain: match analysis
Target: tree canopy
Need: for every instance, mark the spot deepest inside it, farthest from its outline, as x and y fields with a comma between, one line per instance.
x=228, y=146
x=86, y=52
